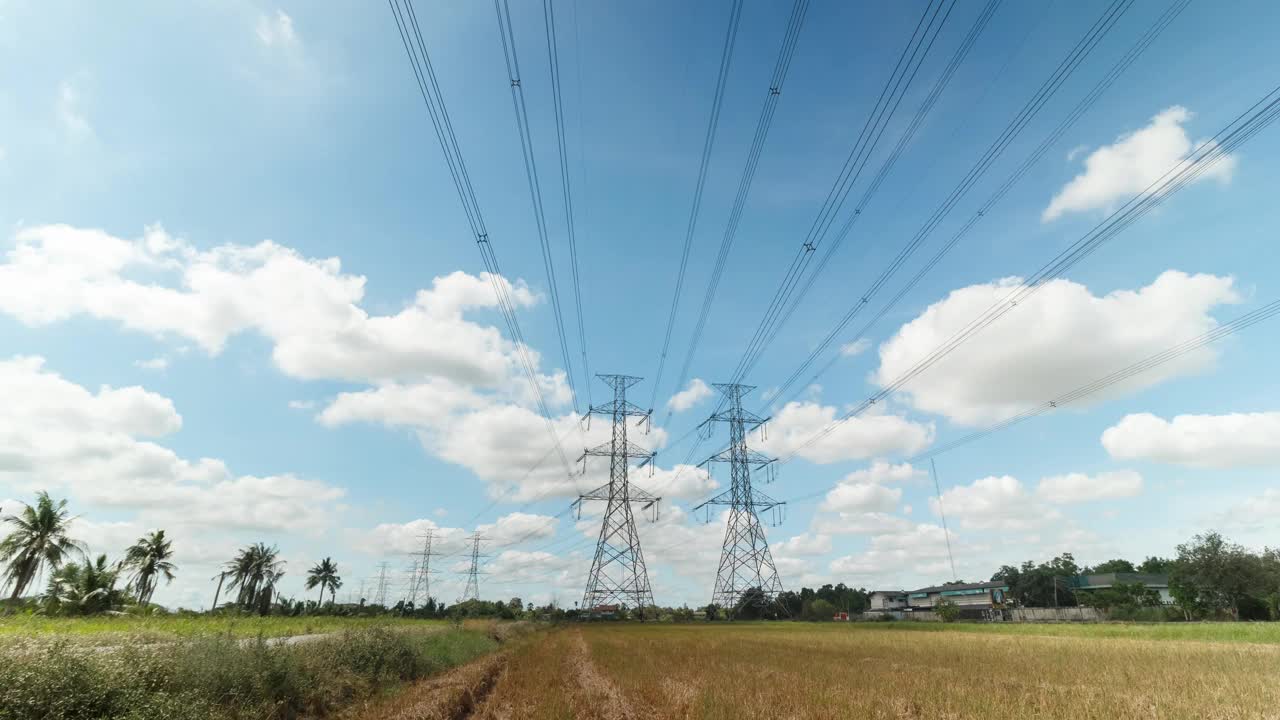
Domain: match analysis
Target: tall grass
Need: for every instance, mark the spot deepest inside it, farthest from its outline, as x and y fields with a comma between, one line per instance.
x=832, y=671
x=110, y=629
x=222, y=677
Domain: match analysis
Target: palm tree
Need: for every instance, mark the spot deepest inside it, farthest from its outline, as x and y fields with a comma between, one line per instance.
x=84, y=589
x=325, y=575
x=255, y=570
x=149, y=560
x=39, y=538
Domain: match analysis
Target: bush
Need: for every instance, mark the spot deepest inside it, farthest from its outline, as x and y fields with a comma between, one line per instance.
x=818, y=610
x=221, y=677
x=947, y=611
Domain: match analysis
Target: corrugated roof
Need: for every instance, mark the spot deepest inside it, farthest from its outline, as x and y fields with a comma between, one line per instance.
x=963, y=586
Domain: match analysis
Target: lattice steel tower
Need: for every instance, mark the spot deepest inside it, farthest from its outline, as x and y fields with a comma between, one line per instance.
x=473, y=576
x=745, y=561
x=618, y=574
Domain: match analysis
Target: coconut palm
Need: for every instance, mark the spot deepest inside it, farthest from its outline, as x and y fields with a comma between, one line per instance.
x=83, y=589
x=325, y=575
x=254, y=572
x=39, y=539
x=149, y=560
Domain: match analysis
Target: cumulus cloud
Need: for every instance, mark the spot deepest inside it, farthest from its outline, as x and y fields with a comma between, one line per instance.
x=1210, y=441
x=1035, y=353
x=276, y=30
x=56, y=434
x=995, y=502
x=307, y=308
x=862, y=498
x=804, y=544
x=1256, y=513
x=859, y=438
x=155, y=363
x=883, y=473
x=866, y=523
x=920, y=548
x=855, y=348
x=1079, y=487
x=693, y=393
x=1132, y=163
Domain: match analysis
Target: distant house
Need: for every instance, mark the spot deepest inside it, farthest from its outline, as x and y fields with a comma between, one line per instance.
x=1159, y=583
x=887, y=600
x=975, y=596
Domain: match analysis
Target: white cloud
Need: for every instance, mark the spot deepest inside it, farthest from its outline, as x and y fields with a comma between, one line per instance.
x=872, y=523
x=301, y=404
x=1132, y=163
x=518, y=527
x=917, y=549
x=855, y=348
x=1079, y=487
x=995, y=502
x=70, y=112
x=883, y=473
x=1256, y=513
x=155, y=363
x=1035, y=353
x=695, y=392
x=859, y=438
x=862, y=498
x=1211, y=441
x=804, y=544
x=58, y=435
x=308, y=308
x=276, y=31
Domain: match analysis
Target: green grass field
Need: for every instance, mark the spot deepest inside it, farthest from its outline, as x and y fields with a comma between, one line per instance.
x=106, y=630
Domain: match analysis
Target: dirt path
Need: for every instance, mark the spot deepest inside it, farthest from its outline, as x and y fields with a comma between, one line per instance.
x=601, y=692
x=455, y=695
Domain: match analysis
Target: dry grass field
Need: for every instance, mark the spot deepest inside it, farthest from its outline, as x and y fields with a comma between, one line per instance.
x=865, y=671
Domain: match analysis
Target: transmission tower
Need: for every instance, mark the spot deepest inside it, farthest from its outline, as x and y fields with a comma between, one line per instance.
x=420, y=584
x=381, y=597
x=473, y=577
x=618, y=575
x=745, y=561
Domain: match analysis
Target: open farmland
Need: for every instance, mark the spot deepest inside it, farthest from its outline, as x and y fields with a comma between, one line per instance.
x=114, y=629
x=870, y=671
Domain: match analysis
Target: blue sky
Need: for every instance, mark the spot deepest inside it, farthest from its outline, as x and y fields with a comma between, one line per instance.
x=239, y=298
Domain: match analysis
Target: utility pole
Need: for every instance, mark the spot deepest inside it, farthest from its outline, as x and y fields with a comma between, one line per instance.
x=473, y=577
x=381, y=597
x=745, y=561
x=618, y=574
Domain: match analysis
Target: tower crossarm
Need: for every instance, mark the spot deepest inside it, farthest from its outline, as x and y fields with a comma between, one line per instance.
x=750, y=457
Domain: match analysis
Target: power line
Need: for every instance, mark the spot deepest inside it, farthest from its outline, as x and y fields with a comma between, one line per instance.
x=1237, y=132
x=1086, y=103
x=708, y=142
x=553, y=59
x=420, y=62
x=531, y=174
x=786, y=299
x=1128, y=372
x=781, y=66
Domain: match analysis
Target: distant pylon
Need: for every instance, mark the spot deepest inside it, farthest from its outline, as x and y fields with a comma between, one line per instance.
x=381, y=597
x=618, y=573
x=473, y=576
x=745, y=560
x=421, y=582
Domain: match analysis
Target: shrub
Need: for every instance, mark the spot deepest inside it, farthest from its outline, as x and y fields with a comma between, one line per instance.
x=947, y=610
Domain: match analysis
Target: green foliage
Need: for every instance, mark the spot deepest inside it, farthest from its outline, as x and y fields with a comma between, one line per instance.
x=39, y=539
x=712, y=612
x=818, y=610
x=222, y=678
x=1121, y=596
x=254, y=571
x=148, y=558
x=947, y=610
x=1213, y=576
x=324, y=575
x=1043, y=585
x=1111, y=566
x=83, y=589
x=1156, y=566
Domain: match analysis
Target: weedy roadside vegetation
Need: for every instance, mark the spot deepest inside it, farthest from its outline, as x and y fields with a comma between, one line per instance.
x=222, y=676
x=163, y=627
